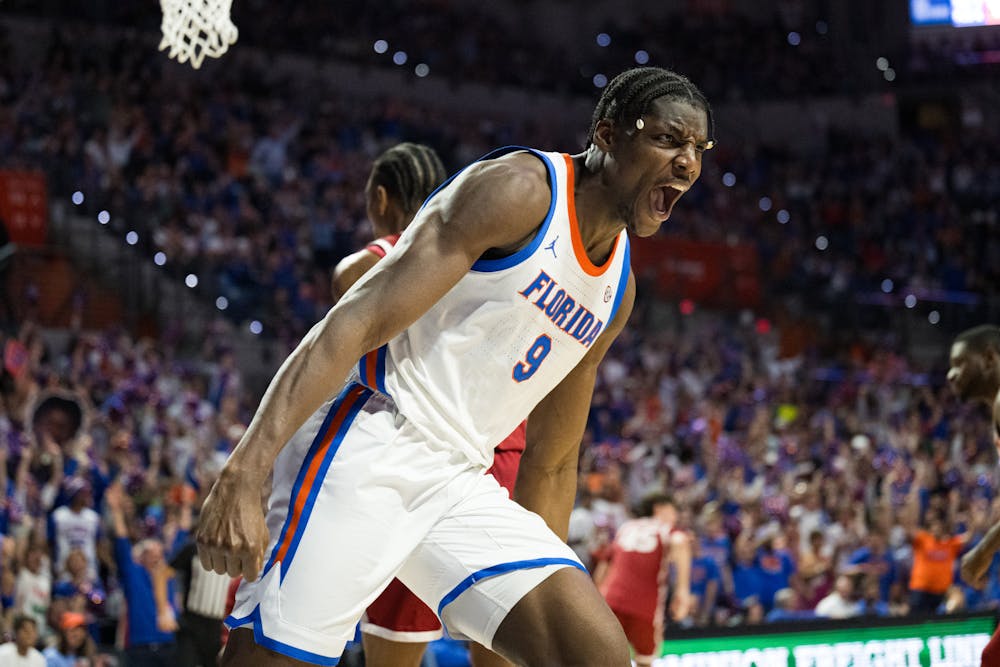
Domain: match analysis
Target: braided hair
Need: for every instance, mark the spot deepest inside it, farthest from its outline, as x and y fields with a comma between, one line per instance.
x=630, y=94
x=409, y=173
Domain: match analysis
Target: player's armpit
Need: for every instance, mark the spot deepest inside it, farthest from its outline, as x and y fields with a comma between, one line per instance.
x=546, y=478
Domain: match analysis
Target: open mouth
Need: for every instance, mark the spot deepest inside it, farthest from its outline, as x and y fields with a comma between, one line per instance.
x=662, y=200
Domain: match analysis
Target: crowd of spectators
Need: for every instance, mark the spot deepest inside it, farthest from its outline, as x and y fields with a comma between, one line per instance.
x=233, y=178
x=807, y=496
x=108, y=445
x=784, y=50
x=741, y=55
x=805, y=479
x=258, y=196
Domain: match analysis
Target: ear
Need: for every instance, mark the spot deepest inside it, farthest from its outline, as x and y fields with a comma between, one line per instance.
x=604, y=135
x=380, y=197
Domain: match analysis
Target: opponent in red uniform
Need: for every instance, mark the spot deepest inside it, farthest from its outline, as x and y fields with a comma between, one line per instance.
x=634, y=582
x=397, y=625
x=975, y=376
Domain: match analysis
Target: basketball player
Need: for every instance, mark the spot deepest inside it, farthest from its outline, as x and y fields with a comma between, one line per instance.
x=975, y=376
x=401, y=179
x=499, y=301
x=634, y=582
x=397, y=626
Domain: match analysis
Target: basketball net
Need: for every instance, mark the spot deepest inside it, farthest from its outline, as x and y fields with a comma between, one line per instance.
x=193, y=29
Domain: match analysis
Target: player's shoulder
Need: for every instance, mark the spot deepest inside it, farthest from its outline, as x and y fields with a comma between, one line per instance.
x=524, y=163
x=520, y=175
x=498, y=202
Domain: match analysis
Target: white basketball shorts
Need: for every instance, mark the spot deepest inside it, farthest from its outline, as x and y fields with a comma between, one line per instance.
x=359, y=497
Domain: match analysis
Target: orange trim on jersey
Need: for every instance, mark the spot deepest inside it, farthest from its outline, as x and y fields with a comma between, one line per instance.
x=574, y=227
x=307, y=483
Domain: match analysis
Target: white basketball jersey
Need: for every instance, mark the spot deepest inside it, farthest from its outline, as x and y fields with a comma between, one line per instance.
x=475, y=365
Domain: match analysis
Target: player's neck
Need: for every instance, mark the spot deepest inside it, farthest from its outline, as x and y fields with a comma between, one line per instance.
x=392, y=223
x=386, y=230
x=597, y=213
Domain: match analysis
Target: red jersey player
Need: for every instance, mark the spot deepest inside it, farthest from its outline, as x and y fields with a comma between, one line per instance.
x=634, y=581
x=397, y=625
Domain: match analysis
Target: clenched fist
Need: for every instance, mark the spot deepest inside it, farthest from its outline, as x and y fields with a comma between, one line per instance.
x=232, y=535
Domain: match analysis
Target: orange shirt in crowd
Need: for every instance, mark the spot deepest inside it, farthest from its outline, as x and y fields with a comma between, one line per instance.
x=933, y=562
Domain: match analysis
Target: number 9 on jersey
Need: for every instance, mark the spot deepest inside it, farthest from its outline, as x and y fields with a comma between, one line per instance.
x=533, y=358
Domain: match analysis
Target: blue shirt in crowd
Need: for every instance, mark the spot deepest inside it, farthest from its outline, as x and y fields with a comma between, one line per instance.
x=776, y=568
x=719, y=549
x=138, y=587
x=885, y=565
x=747, y=582
x=703, y=570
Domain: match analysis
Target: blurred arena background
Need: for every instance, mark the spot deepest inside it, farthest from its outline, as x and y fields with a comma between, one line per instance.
x=168, y=235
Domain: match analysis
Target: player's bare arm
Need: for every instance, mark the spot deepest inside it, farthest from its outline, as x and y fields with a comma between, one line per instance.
x=492, y=205
x=350, y=269
x=976, y=563
x=546, y=479
x=601, y=572
x=680, y=557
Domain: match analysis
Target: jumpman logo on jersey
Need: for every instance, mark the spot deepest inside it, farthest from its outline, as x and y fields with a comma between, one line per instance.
x=552, y=246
